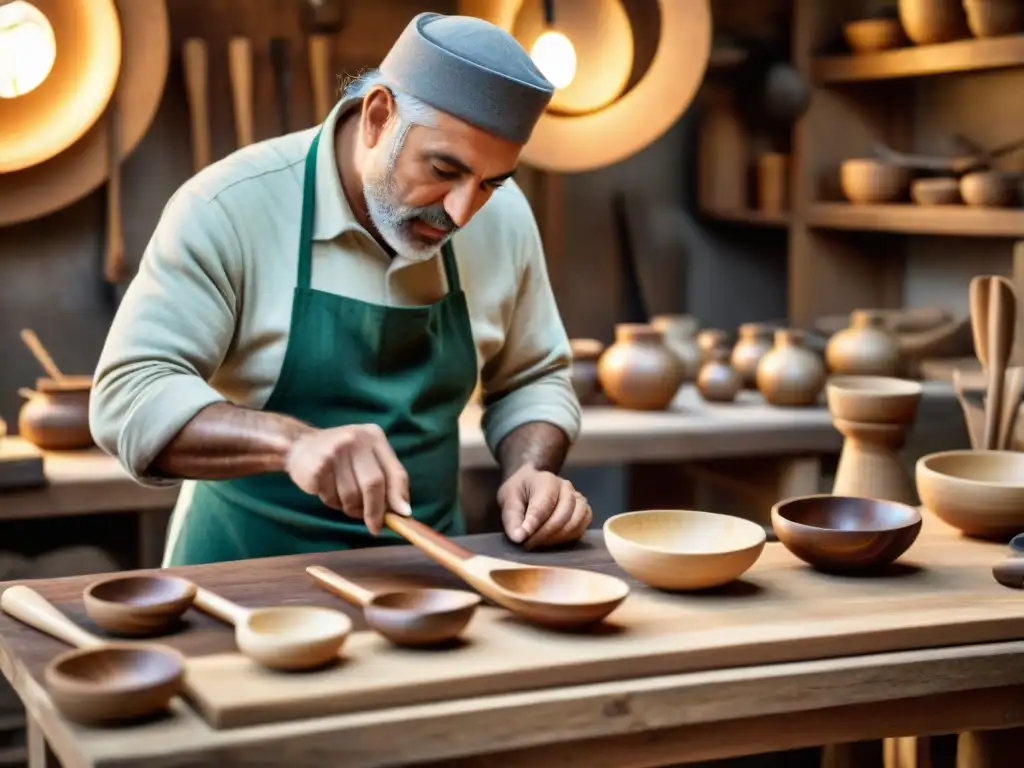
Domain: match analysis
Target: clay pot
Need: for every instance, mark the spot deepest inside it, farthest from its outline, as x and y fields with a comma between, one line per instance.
x=718, y=381
x=56, y=416
x=987, y=189
x=866, y=348
x=708, y=341
x=680, y=332
x=868, y=181
x=790, y=374
x=992, y=18
x=639, y=371
x=585, y=354
x=755, y=341
x=932, y=21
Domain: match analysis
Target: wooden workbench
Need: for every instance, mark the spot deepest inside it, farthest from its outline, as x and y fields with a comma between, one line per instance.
x=715, y=710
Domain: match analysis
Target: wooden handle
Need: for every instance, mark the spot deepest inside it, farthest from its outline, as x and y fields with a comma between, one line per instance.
x=1002, y=317
x=343, y=588
x=29, y=607
x=966, y=407
x=113, y=265
x=196, y=85
x=1011, y=406
x=38, y=351
x=279, y=59
x=320, y=74
x=240, y=72
x=978, y=296
x=219, y=607
x=439, y=548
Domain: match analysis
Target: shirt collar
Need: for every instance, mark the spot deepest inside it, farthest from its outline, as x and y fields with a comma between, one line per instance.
x=332, y=214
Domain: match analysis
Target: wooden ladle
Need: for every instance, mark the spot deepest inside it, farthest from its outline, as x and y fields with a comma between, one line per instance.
x=100, y=683
x=137, y=606
x=408, y=616
x=283, y=637
x=39, y=352
x=547, y=595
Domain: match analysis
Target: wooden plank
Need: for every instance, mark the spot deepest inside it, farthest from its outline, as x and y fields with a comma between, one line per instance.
x=921, y=60
x=941, y=594
x=914, y=219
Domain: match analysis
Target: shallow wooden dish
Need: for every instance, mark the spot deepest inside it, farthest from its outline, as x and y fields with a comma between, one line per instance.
x=987, y=189
x=981, y=493
x=845, y=533
x=869, y=35
x=873, y=399
x=681, y=549
x=936, y=191
x=867, y=180
x=137, y=606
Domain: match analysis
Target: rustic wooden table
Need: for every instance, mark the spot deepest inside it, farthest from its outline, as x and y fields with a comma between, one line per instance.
x=661, y=719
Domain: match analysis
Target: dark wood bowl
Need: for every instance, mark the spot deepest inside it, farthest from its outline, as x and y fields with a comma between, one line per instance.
x=845, y=533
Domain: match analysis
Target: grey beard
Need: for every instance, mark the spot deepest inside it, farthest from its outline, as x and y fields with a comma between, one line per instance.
x=393, y=221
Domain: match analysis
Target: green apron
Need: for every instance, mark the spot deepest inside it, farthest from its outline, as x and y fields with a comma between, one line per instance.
x=410, y=370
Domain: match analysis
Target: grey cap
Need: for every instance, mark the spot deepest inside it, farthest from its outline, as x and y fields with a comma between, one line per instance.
x=471, y=69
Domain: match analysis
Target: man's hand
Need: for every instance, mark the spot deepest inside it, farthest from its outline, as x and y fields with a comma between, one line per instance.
x=541, y=509
x=352, y=469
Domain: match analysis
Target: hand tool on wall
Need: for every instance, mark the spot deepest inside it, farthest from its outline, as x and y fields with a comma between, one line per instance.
x=196, y=61
x=325, y=20
x=240, y=73
x=280, y=60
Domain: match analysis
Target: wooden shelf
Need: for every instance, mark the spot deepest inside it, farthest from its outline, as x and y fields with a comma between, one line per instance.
x=912, y=219
x=922, y=60
x=749, y=217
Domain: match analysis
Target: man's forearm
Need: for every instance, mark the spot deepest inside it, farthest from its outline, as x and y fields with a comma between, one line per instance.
x=225, y=441
x=538, y=444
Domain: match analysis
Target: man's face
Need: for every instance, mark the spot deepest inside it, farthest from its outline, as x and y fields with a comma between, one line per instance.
x=439, y=177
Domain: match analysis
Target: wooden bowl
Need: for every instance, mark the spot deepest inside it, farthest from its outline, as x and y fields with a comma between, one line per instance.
x=681, y=549
x=991, y=189
x=927, y=22
x=941, y=190
x=873, y=399
x=867, y=35
x=845, y=533
x=137, y=606
x=994, y=18
x=115, y=682
x=981, y=493
x=866, y=180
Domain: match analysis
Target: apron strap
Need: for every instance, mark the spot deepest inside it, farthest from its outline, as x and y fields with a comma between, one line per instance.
x=451, y=269
x=306, y=231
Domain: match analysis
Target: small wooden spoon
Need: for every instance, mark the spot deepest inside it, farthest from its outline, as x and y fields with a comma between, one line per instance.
x=41, y=355
x=101, y=683
x=282, y=637
x=547, y=595
x=408, y=616
x=137, y=606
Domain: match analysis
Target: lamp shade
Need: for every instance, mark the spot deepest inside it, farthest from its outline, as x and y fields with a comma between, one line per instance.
x=566, y=142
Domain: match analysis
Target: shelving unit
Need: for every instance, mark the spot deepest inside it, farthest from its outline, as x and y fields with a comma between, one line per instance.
x=841, y=256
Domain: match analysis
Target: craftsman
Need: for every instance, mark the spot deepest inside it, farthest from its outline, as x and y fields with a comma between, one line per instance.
x=313, y=313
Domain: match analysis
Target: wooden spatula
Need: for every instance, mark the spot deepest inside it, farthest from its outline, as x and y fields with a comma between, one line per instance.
x=1002, y=317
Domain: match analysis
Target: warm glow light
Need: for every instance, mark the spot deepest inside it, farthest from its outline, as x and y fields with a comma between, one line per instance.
x=28, y=49
x=555, y=57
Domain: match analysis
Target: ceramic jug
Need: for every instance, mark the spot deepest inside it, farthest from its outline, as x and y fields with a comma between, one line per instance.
x=790, y=374
x=755, y=341
x=866, y=348
x=55, y=416
x=718, y=381
x=639, y=371
x=680, y=332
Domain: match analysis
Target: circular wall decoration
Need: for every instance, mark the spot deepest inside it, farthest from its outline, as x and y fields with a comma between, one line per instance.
x=570, y=143
x=81, y=41
x=71, y=160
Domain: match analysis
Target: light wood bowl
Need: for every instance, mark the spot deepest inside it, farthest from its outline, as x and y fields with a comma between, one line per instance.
x=868, y=35
x=994, y=18
x=868, y=181
x=845, y=533
x=138, y=605
x=681, y=549
x=988, y=189
x=927, y=22
x=981, y=493
x=941, y=190
x=873, y=399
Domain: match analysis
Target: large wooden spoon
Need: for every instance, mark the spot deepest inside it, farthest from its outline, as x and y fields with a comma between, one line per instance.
x=406, y=616
x=38, y=351
x=282, y=637
x=1002, y=317
x=100, y=683
x=548, y=595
